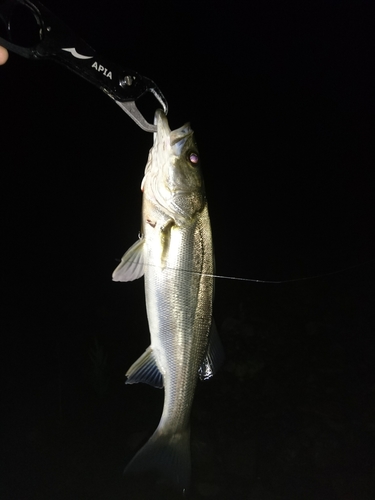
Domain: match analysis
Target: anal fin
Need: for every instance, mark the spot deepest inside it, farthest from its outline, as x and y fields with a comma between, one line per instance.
x=145, y=370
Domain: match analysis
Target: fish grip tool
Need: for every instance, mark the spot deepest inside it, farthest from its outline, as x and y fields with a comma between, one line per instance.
x=30, y=30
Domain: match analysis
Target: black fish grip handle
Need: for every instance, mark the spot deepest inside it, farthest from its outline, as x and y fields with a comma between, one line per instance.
x=32, y=31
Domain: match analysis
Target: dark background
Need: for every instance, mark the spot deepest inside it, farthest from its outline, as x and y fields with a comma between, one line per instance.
x=281, y=97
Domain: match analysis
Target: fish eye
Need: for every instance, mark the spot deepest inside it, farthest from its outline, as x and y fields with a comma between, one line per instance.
x=194, y=158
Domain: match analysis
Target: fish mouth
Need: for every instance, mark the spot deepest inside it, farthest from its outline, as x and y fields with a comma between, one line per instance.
x=162, y=125
x=163, y=129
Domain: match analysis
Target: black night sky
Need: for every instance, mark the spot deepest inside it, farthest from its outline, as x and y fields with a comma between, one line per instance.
x=281, y=96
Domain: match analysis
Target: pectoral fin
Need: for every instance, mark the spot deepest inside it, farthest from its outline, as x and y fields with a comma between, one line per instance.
x=132, y=264
x=214, y=357
x=145, y=370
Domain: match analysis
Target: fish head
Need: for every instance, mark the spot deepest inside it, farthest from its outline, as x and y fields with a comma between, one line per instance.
x=173, y=181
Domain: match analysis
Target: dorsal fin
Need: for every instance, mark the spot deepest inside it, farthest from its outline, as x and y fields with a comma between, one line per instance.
x=214, y=357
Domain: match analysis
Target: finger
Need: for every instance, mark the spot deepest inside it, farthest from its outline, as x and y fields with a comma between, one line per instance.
x=3, y=55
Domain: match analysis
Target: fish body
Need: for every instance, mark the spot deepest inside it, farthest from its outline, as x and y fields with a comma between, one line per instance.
x=175, y=256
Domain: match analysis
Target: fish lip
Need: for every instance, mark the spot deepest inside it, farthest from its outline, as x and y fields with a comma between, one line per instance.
x=159, y=115
x=163, y=129
x=162, y=125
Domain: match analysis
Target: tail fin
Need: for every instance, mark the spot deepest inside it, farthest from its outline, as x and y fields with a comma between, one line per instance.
x=167, y=456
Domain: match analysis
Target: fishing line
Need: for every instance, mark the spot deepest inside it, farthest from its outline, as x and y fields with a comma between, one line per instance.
x=235, y=278
x=273, y=282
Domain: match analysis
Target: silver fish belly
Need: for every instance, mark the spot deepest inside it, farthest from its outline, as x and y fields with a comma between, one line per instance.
x=175, y=256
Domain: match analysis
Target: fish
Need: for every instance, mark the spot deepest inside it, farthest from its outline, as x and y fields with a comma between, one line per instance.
x=175, y=255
